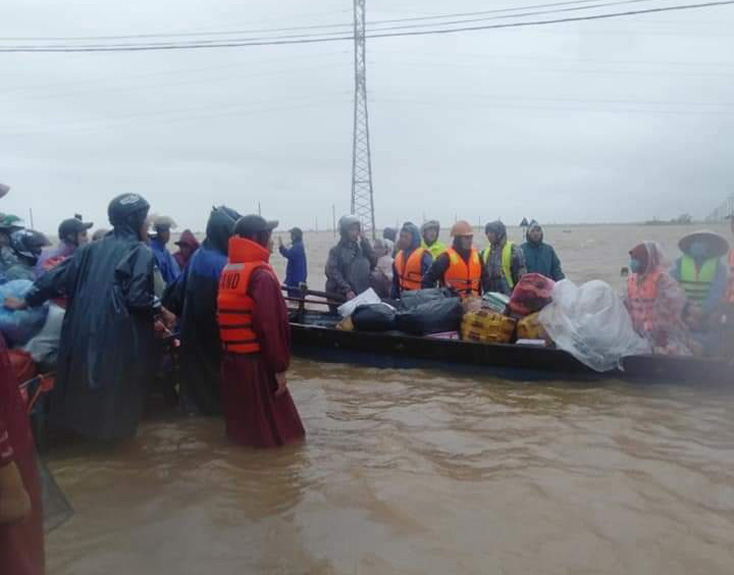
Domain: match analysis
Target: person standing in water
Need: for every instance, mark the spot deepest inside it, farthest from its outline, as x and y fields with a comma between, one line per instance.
x=167, y=264
x=255, y=333
x=21, y=513
x=73, y=233
x=193, y=298
x=187, y=246
x=296, y=271
x=107, y=354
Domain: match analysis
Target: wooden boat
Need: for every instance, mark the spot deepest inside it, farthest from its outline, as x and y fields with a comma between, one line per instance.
x=314, y=336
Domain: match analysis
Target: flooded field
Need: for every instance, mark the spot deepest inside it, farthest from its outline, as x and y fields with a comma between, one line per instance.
x=423, y=472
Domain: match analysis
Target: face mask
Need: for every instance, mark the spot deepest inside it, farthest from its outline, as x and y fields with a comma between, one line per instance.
x=698, y=250
x=635, y=266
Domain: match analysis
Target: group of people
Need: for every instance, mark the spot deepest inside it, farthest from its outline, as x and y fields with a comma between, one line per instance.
x=120, y=294
x=124, y=289
x=687, y=309
x=413, y=258
x=683, y=310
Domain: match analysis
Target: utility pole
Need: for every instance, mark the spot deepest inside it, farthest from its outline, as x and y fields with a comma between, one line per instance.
x=333, y=218
x=363, y=203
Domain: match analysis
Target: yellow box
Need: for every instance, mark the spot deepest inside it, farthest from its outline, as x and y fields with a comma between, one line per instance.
x=488, y=327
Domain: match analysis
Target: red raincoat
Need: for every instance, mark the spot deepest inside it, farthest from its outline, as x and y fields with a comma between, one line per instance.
x=21, y=544
x=255, y=416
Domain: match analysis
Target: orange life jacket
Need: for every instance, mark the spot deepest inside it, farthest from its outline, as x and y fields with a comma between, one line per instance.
x=410, y=273
x=463, y=278
x=730, y=289
x=234, y=305
x=641, y=296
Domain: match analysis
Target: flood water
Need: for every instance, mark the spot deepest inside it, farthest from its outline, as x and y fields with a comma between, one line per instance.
x=418, y=471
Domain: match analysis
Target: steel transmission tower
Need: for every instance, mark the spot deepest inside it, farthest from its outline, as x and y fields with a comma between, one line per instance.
x=363, y=203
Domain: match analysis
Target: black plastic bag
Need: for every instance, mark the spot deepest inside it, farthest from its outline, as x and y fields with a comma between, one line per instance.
x=376, y=317
x=411, y=299
x=434, y=316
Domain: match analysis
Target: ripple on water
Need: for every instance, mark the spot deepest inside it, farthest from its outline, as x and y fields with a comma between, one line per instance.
x=418, y=472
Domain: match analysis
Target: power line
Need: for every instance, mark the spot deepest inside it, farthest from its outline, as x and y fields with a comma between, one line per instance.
x=544, y=69
x=347, y=25
x=508, y=105
x=322, y=39
x=547, y=57
x=448, y=22
x=562, y=99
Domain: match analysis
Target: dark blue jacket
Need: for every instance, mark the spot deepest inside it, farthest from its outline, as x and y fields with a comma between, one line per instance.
x=542, y=259
x=193, y=298
x=297, y=269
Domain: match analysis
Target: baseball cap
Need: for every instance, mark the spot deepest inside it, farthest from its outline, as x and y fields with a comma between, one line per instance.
x=73, y=226
x=254, y=224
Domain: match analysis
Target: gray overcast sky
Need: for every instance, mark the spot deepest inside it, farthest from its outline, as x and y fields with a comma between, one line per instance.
x=614, y=120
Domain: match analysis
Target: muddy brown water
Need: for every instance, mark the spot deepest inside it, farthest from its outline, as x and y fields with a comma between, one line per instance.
x=418, y=471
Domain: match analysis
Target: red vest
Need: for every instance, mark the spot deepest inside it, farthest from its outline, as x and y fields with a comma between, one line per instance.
x=234, y=305
x=642, y=294
x=410, y=273
x=465, y=279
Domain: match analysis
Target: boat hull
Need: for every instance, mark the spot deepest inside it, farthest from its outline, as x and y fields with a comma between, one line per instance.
x=324, y=343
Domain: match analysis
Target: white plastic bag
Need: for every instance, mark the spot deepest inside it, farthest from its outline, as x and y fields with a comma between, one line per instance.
x=367, y=297
x=592, y=324
x=44, y=347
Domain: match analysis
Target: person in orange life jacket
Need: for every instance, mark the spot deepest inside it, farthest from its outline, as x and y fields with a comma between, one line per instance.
x=411, y=263
x=255, y=333
x=656, y=301
x=459, y=267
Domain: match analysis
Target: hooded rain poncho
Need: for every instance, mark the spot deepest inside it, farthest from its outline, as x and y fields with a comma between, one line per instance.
x=426, y=261
x=350, y=263
x=193, y=298
x=106, y=356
